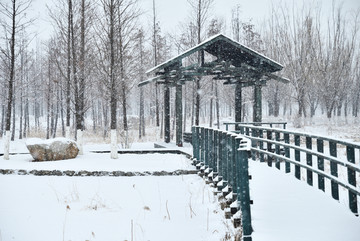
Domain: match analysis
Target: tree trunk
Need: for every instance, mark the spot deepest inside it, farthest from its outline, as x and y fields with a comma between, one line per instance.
x=68, y=80
x=142, y=115
x=276, y=101
x=12, y=70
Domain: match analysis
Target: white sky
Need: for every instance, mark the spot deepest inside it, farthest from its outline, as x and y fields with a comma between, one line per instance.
x=172, y=12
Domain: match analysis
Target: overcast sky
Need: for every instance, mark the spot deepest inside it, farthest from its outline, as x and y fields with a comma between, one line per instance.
x=172, y=12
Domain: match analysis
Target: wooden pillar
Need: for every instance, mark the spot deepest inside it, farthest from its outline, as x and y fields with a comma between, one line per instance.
x=178, y=111
x=167, y=113
x=257, y=109
x=237, y=103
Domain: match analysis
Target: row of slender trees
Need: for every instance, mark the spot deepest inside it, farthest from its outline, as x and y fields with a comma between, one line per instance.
x=85, y=76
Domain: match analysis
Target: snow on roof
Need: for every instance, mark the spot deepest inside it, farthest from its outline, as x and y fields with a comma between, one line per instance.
x=208, y=42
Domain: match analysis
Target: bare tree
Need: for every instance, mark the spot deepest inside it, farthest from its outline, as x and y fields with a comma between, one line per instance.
x=336, y=57
x=15, y=14
x=199, y=14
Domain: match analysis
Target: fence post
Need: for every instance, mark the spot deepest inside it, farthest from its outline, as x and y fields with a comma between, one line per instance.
x=309, y=174
x=224, y=155
x=227, y=156
x=195, y=141
x=297, y=157
x=287, y=151
x=350, y=154
x=216, y=151
x=277, y=149
x=268, y=146
x=206, y=147
x=220, y=154
x=320, y=163
x=211, y=149
x=233, y=162
x=243, y=192
x=242, y=130
x=202, y=144
x=261, y=144
x=334, y=171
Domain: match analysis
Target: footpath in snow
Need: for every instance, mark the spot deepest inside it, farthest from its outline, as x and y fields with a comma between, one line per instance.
x=288, y=209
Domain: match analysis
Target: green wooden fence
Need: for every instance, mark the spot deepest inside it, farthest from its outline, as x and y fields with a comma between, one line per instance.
x=223, y=156
x=310, y=157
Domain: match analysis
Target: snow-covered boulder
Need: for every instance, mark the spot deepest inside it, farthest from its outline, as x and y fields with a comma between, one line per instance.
x=52, y=149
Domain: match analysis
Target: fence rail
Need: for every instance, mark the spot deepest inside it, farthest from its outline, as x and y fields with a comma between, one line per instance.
x=223, y=157
x=237, y=124
x=301, y=150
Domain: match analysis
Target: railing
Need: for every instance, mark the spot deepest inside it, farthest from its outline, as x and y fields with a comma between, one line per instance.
x=237, y=124
x=337, y=160
x=222, y=157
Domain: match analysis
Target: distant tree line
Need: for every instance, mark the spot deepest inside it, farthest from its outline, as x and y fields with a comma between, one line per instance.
x=86, y=75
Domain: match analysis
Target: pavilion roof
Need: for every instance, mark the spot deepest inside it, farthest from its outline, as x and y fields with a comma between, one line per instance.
x=226, y=49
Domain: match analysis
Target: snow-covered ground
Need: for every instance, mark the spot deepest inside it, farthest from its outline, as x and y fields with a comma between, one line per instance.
x=288, y=209
x=164, y=207
x=108, y=208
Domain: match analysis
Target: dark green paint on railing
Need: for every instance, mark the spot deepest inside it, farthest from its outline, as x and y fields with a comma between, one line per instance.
x=320, y=160
x=297, y=157
x=334, y=171
x=350, y=154
x=270, y=148
x=309, y=174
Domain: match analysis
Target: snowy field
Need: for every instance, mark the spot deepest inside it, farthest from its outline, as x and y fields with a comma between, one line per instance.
x=160, y=207
x=108, y=208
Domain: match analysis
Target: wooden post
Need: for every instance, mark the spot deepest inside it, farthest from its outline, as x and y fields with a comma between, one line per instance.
x=202, y=145
x=277, y=149
x=261, y=145
x=268, y=147
x=167, y=113
x=334, y=171
x=309, y=174
x=243, y=191
x=195, y=142
x=220, y=154
x=178, y=106
x=216, y=150
x=297, y=157
x=320, y=164
x=237, y=104
x=211, y=149
x=350, y=154
x=206, y=146
x=287, y=152
x=257, y=110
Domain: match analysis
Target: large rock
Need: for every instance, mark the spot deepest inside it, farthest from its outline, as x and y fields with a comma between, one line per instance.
x=52, y=149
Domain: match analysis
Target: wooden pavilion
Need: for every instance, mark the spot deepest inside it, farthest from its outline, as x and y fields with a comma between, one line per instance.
x=230, y=61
